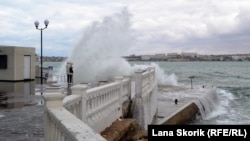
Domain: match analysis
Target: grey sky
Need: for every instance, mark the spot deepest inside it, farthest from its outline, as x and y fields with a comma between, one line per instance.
x=159, y=26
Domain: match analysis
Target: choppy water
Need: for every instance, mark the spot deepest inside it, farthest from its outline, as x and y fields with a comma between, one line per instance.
x=232, y=80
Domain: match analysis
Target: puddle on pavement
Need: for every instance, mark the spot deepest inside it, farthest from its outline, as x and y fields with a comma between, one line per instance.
x=18, y=94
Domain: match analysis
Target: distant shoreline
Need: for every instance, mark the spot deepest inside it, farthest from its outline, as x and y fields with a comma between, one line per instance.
x=171, y=57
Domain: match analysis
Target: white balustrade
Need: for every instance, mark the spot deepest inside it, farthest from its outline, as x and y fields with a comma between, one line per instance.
x=126, y=89
x=102, y=105
x=61, y=79
x=61, y=125
x=145, y=82
x=148, y=80
x=145, y=102
x=73, y=103
x=99, y=107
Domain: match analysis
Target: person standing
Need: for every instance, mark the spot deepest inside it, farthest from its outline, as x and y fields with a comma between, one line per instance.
x=69, y=71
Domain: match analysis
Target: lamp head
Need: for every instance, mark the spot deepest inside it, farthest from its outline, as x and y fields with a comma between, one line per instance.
x=46, y=22
x=36, y=24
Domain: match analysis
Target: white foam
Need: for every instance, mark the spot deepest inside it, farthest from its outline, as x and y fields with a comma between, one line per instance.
x=221, y=107
x=98, y=55
x=163, y=78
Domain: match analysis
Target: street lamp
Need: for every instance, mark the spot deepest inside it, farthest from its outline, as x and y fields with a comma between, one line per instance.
x=191, y=77
x=46, y=23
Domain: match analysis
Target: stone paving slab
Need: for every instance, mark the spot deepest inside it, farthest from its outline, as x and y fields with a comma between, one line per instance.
x=22, y=124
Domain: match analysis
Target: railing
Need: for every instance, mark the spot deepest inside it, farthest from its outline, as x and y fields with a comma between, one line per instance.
x=61, y=125
x=145, y=101
x=126, y=89
x=88, y=111
x=60, y=78
x=73, y=104
x=148, y=80
x=100, y=106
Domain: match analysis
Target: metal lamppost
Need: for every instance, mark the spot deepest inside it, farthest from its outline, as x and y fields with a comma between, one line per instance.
x=46, y=23
x=191, y=77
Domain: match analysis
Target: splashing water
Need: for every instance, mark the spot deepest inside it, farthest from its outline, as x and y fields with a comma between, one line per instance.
x=219, y=113
x=161, y=76
x=97, y=56
x=164, y=79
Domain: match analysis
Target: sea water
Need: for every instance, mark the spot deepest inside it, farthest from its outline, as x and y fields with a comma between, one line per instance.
x=232, y=83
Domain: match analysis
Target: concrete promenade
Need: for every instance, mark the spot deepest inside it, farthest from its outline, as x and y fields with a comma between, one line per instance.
x=22, y=124
x=22, y=116
x=185, y=110
x=27, y=123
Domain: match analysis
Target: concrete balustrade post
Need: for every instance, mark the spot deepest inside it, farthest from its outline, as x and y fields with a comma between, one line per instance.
x=138, y=83
x=129, y=85
x=154, y=75
x=77, y=91
x=138, y=110
x=80, y=89
x=151, y=76
x=52, y=100
x=119, y=79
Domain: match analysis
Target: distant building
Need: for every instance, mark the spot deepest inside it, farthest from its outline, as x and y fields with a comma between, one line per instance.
x=178, y=60
x=54, y=59
x=172, y=55
x=237, y=57
x=189, y=54
x=145, y=57
x=17, y=63
x=160, y=56
x=132, y=58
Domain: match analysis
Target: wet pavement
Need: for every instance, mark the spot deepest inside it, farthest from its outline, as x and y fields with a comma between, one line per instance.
x=172, y=99
x=21, y=112
x=22, y=124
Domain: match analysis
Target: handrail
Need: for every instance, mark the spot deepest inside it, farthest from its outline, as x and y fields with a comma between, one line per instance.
x=98, y=107
x=102, y=106
x=73, y=104
x=61, y=125
x=145, y=94
x=65, y=126
x=98, y=104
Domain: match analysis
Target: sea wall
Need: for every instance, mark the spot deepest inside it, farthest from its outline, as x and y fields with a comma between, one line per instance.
x=145, y=101
x=182, y=115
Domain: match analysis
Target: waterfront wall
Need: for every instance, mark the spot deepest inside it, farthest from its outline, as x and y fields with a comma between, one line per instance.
x=98, y=107
x=183, y=115
x=61, y=125
x=145, y=100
